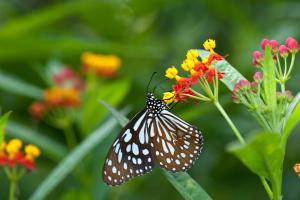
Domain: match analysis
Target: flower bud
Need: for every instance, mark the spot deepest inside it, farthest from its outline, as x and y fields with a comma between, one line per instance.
x=292, y=45
x=297, y=169
x=283, y=51
x=257, y=58
x=274, y=45
x=264, y=43
x=258, y=77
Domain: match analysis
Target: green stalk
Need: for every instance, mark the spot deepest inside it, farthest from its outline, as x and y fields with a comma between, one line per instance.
x=242, y=141
x=70, y=136
x=230, y=123
x=13, y=184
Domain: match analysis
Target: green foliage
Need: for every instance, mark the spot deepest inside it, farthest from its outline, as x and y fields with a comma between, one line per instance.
x=263, y=155
x=292, y=118
x=231, y=75
x=50, y=148
x=14, y=85
x=74, y=158
x=3, y=122
x=270, y=84
x=112, y=92
x=185, y=185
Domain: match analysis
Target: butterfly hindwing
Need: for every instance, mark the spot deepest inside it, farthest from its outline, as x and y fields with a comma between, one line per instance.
x=130, y=155
x=177, y=143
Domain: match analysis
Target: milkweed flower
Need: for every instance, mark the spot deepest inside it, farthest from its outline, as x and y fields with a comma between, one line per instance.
x=102, y=65
x=38, y=109
x=202, y=72
x=66, y=77
x=292, y=45
x=62, y=97
x=11, y=154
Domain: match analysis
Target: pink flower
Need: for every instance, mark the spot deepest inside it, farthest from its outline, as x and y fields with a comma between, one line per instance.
x=264, y=43
x=274, y=45
x=283, y=51
x=258, y=77
x=257, y=58
x=292, y=45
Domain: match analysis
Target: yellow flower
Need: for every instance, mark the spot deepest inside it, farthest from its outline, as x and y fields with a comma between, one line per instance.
x=103, y=65
x=191, y=54
x=169, y=97
x=188, y=64
x=32, y=151
x=172, y=72
x=209, y=45
x=13, y=147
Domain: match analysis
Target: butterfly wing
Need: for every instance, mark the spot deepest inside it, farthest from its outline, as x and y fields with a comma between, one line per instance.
x=130, y=154
x=177, y=144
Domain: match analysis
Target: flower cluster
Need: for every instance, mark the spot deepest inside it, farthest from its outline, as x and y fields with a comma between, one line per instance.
x=102, y=65
x=280, y=55
x=11, y=154
x=200, y=71
x=66, y=91
x=253, y=94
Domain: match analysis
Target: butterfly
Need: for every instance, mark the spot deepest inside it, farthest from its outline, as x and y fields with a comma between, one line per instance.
x=154, y=135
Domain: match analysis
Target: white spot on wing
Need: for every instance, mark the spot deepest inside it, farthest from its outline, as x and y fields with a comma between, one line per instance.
x=128, y=135
x=135, y=149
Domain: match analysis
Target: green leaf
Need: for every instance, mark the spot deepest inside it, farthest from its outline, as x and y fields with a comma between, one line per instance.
x=293, y=118
x=185, y=185
x=74, y=158
x=14, y=85
x=231, y=75
x=49, y=147
x=112, y=92
x=263, y=155
x=269, y=80
x=3, y=122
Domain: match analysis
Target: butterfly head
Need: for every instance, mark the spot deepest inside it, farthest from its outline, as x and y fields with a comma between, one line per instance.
x=154, y=105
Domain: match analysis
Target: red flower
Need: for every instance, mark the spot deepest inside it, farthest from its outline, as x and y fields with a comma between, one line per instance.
x=37, y=110
x=283, y=51
x=292, y=45
x=257, y=58
x=264, y=43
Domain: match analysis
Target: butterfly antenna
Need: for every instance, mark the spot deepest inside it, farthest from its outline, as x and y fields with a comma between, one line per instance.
x=150, y=81
x=158, y=85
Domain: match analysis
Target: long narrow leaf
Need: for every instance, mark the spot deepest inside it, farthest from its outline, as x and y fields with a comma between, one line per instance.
x=14, y=85
x=73, y=159
x=231, y=75
x=50, y=148
x=185, y=185
x=3, y=122
x=270, y=80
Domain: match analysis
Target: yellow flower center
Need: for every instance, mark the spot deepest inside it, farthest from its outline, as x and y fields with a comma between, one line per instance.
x=209, y=45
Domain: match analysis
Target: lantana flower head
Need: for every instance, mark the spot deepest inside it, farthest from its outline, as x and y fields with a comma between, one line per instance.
x=199, y=71
x=102, y=65
x=11, y=154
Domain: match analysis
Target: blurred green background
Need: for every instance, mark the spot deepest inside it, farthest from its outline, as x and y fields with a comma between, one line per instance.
x=148, y=36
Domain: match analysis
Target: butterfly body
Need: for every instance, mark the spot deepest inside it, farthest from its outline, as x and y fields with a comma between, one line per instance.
x=154, y=135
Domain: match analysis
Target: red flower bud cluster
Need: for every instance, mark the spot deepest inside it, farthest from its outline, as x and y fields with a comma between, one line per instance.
x=290, y=46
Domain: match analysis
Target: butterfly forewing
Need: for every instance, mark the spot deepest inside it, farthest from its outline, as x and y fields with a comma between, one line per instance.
x=177, y=143
x=153, y=135
x=130, y=155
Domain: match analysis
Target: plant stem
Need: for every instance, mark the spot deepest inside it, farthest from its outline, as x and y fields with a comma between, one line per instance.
x=242, y=141
x=267, y=187
x=230, y=123
x=70, y=136
x=13, y=184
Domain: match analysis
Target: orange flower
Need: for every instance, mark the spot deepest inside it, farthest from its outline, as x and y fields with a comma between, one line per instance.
x=38, y=110
x=66, y=97
x=102, y=65
x=12, y=154
x=297, y=169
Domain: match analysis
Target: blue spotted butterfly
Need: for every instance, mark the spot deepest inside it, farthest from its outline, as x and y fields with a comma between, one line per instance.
x=154, y=135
